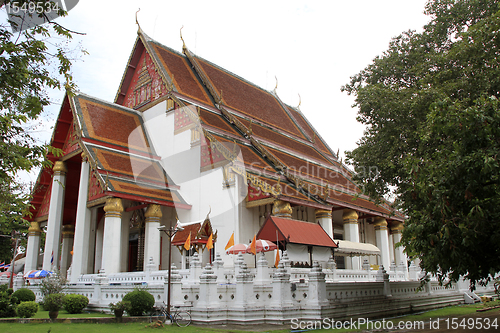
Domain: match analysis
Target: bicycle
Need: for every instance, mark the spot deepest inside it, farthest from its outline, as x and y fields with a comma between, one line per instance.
x=181, y=317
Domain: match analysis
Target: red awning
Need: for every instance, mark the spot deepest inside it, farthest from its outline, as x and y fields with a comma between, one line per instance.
x=294, y=231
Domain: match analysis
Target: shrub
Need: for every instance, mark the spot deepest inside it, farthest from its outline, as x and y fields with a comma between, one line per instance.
x=74, y=303
x=7, y=306
x=23, y=295
x=141, y=302
x=53, y=302
x=27, y=309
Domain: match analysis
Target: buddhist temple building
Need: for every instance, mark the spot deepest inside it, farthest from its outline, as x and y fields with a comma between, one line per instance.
x=186, y=142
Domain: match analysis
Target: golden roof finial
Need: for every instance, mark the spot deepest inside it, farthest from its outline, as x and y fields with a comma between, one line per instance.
x=207, y=218
x=136, y=20
x=183, y=43
x=276, y=87
x=300, y=102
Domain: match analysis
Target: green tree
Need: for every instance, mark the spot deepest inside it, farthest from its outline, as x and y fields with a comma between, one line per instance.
x=32, y=63
x=430, y=103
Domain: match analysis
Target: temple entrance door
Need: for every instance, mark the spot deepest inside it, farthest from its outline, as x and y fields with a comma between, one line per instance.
x=136, y=241
x=132, y=255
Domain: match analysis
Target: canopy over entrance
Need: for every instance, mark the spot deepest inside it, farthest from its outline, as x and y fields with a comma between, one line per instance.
x=348, y=248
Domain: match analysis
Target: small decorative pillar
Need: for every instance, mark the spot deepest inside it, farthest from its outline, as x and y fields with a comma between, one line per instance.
x=286, y=262
x=351, y=233
x=208, y=289
x=152, y=234
x=238, y=263
x=111, y=245
x=244, y=287
x=382, y=237
x=366, y=265
x=176, y=297
x=33, y=247
x=194, y=269
x=81, y=243
x=282, y=292
x=262, y=271
x=413, y=272
x=324, y=218
x=68, y=234
x=54, y=222
x=219, y=268
x=316, y=287
x=99, y=281
x=382, y=276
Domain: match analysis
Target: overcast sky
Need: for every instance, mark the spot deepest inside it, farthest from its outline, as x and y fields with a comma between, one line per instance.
x=312, y=47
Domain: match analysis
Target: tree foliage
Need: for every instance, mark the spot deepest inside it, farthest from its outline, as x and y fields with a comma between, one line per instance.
x=32, y=63
x=430, y=103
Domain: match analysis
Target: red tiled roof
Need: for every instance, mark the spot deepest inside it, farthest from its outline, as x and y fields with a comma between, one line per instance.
x=294, y=231
x=111, y=124
x=178, y=68
x=287, y=142
x=249, y=99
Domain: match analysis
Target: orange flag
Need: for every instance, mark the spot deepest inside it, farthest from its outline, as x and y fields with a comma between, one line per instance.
x=277, y=261
x=252, y=246
x=230, y=242
x=210, y=243
x=187, y=244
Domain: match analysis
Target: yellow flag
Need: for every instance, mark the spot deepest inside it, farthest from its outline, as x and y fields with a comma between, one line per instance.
x=230, y=242
x=277, y=261
x=252, y=246
x=187, y=244
x=210, y=243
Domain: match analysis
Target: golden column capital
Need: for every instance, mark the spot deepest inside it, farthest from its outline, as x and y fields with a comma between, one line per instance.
x=397, y=227
x=60, y=168
x=380, y=223
x=113, y=207
x=282, y=209
x=34, y=229
x=68, y=231
x=349, y=216
x=323, y=213
x=153, y=213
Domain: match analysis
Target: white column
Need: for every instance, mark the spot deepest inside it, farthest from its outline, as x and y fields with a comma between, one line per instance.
x=56, y=208
x=82, y=225
x=33, y=247
x=152, y=235
x=399, y=255
x=68, y=234
x=111, y=245
x=382, y=237
x=351, y=233
x=324, y=218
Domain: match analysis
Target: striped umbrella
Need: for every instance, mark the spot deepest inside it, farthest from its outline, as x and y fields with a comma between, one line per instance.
x=262, y=245
x=39, y=274
x=238, y=248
